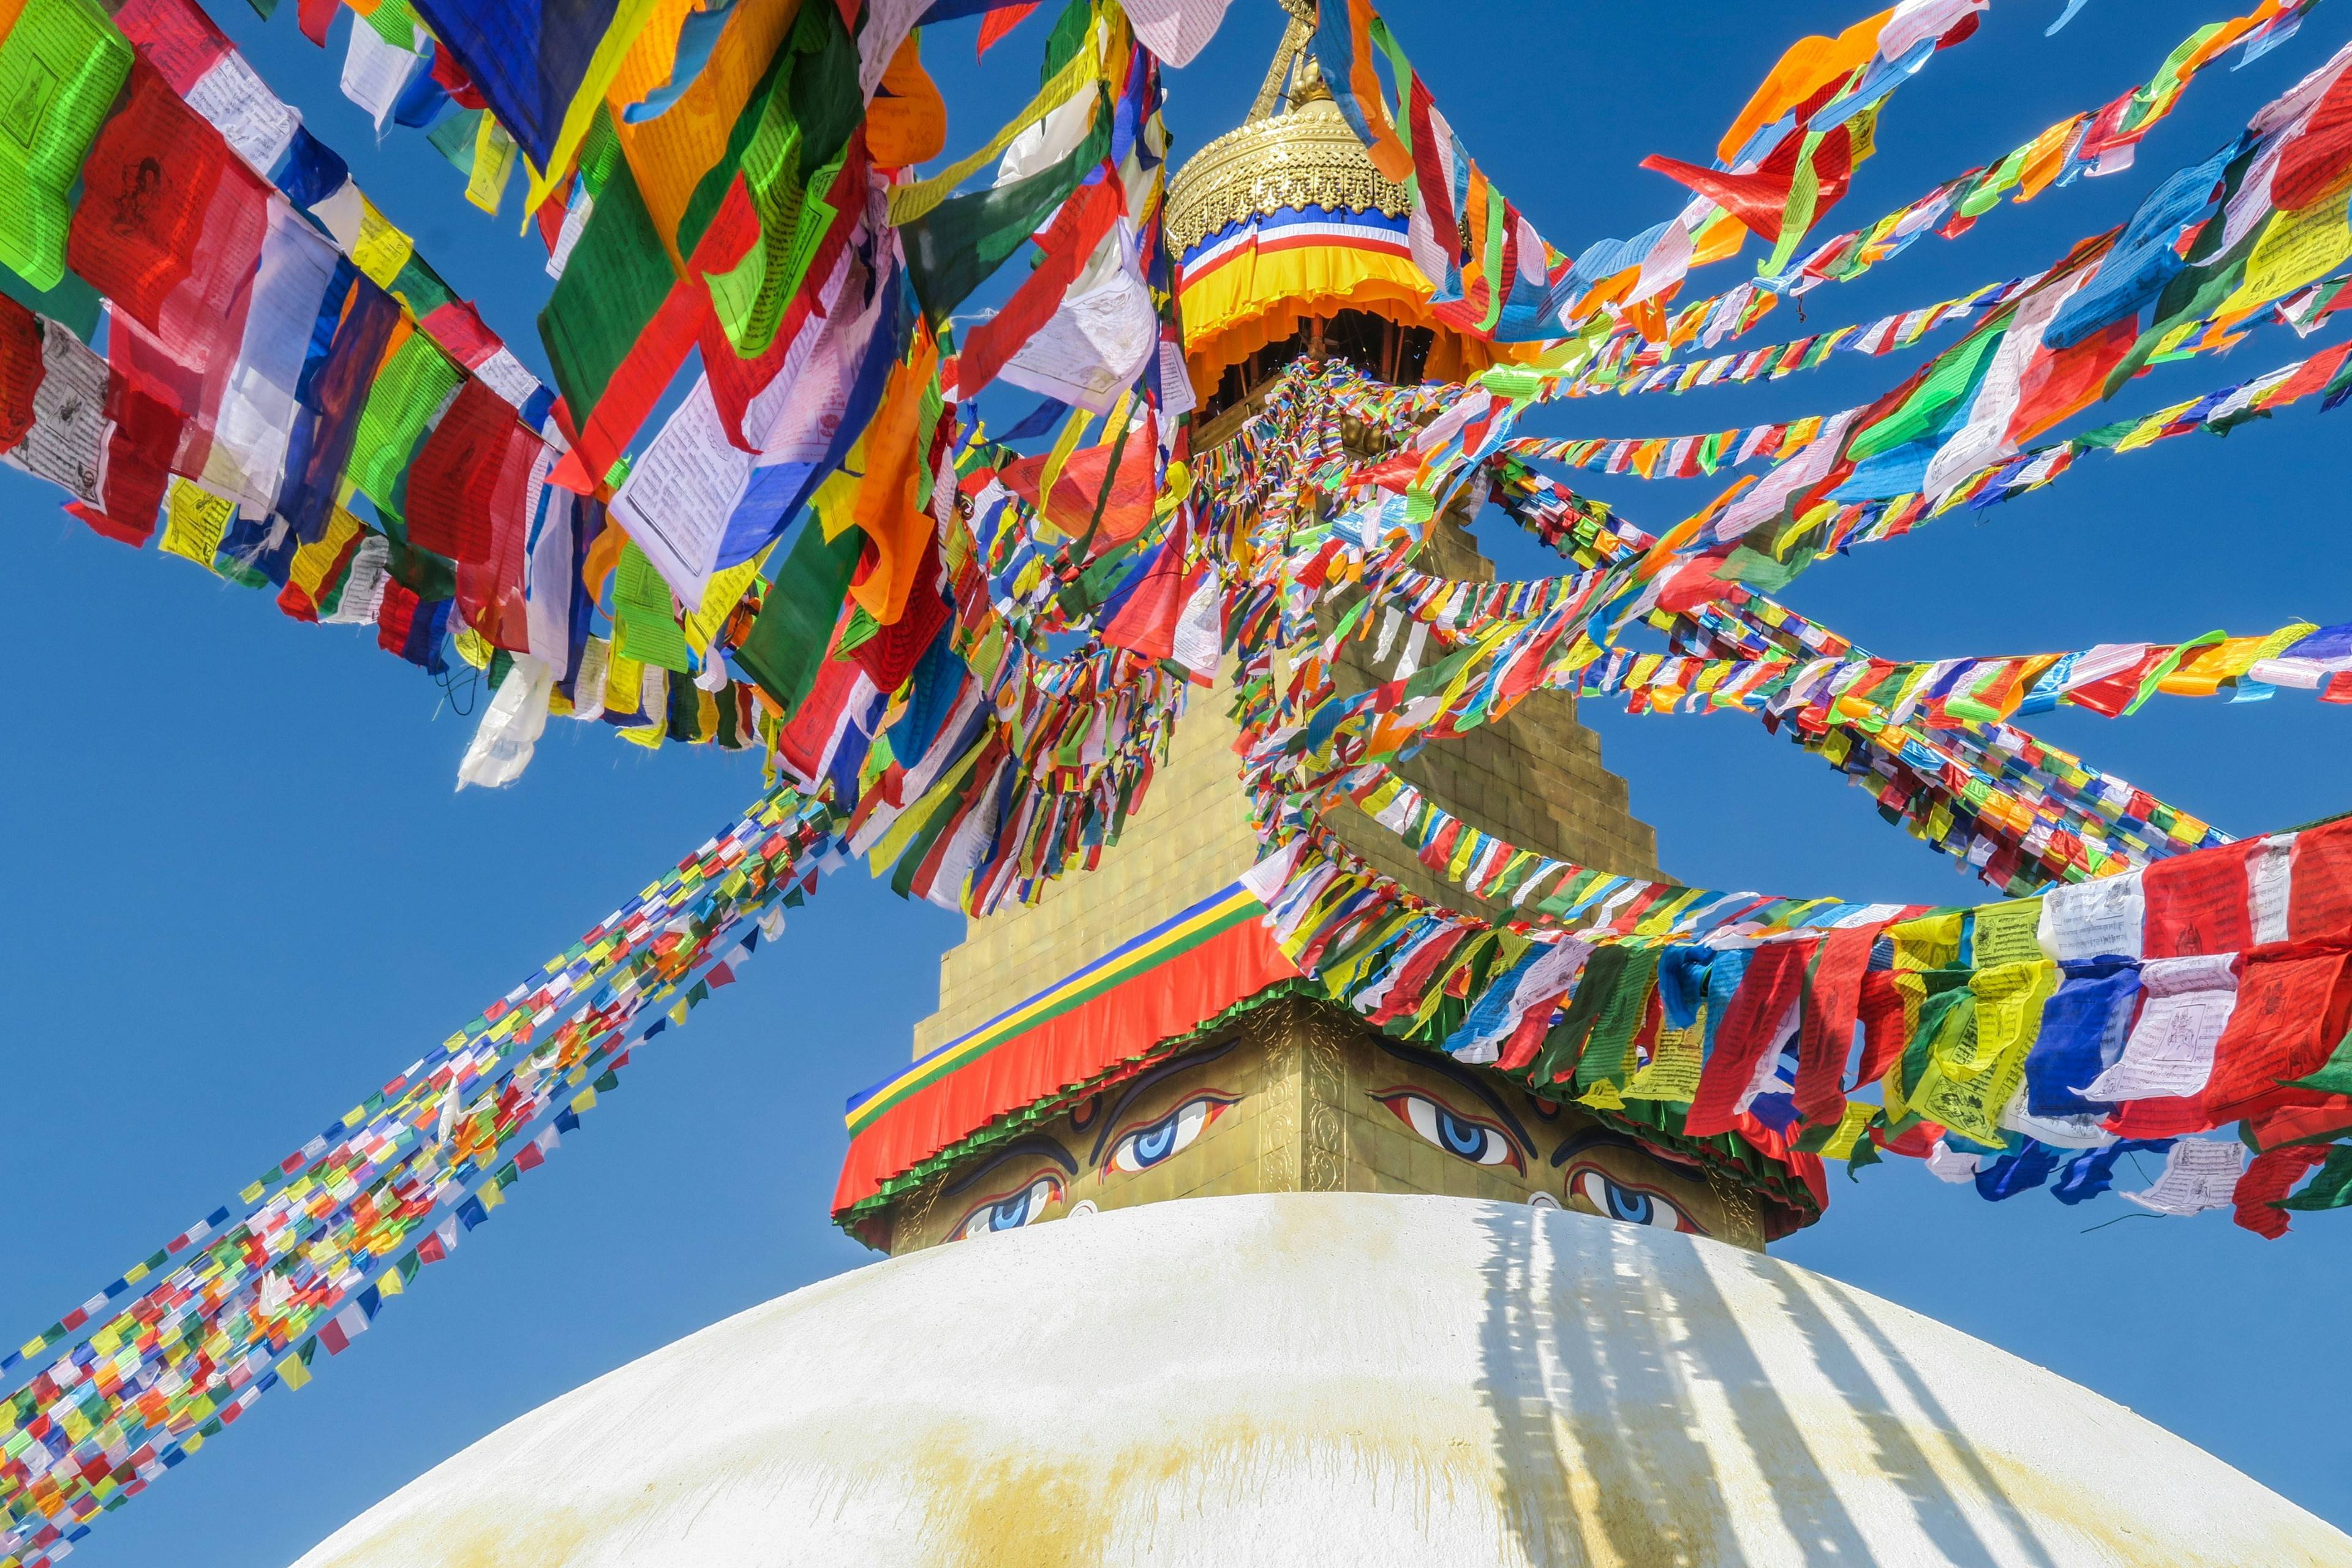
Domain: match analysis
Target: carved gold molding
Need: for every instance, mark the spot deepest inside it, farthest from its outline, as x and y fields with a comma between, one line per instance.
x=1307, y=157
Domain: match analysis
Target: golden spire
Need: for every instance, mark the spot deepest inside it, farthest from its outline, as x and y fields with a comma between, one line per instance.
x=1301, y=154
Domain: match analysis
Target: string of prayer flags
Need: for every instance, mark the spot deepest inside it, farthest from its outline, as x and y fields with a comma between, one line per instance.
x=1966, y=1049
x=143, y=1374
x=2092, y=141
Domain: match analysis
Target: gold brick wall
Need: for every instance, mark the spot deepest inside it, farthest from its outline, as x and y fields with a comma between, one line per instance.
x=1189, y=838
x=1534, y=777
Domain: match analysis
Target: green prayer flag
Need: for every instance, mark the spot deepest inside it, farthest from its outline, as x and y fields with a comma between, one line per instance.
x=61, y=63
x=645, y=628
x=454, y=138
x=415, y=383
x=796, y=623
x=1069, y=36
x=419, y=287
x=2335, y=1076
x=618, y=275
x=1608, y=1057
x=1950, y=381
x=1563, y=1047
x=797, y=151
x=955, y=246
x=2331, y=1188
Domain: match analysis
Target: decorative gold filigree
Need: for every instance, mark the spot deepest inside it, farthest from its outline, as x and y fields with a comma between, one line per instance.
x=1279, y=1121
x=915, y=1214
x=1739, y=1204
x=1322, y=1081
x=1307, y=157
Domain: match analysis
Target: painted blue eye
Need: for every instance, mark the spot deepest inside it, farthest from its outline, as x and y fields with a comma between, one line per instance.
x=1171, y=1135
x=1463, y=1137
x=1456, y=1136
x=1614, y=1200
x=1023, y=1208
x=1627, y=1204
x=1153, y=1144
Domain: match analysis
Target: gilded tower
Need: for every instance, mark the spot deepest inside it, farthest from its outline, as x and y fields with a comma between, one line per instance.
x=1290, y=244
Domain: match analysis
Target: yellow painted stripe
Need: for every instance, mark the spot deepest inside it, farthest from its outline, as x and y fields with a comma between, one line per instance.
x=990, y=1035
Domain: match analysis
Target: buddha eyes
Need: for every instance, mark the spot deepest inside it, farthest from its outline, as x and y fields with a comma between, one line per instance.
x=1158, y=1141
x=1613, y=1199
x=1470, y=1138
x=1011, y=1212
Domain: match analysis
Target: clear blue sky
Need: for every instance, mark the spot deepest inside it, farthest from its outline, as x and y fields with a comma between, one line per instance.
x=241, y=890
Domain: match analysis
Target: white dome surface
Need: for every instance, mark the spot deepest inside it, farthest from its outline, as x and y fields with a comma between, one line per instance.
x=1331, y=1378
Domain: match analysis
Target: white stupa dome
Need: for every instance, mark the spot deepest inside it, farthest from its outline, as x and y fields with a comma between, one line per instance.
x=1326, y=1378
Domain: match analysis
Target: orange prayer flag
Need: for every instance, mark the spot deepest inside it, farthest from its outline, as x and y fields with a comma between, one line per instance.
x=1809, y=65
x=908, y=122
x=886, y=508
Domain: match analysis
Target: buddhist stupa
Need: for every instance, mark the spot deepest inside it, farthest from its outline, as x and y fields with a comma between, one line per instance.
x=1410, y=1312
x=1287, y=239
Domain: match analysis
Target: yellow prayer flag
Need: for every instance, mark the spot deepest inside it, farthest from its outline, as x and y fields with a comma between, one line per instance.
x=1848, y=1130
x=1672, y=1073
x=313, y=563
x=1603, y=1096
x=718, y=601
x=494, y=156
x=194, y=520
x=381, y=249
x=2296, y=249
x=1931, y=942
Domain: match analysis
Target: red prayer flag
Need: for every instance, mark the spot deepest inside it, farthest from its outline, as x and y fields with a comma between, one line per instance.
x=1124, y=504
x=2317, y=164
x=170, y=219
x=2266, y=1181
x=21, y=370
x=1146, y=623
x=470, y=477
x=2059, y=383
x=315, y=16
x=1759, y=198
x=2290, y=1014
x=175, y=38
x=2197, y=904
x=1768, y=992
x=2319, y=905
x=460, y=331
x=996, y=23
x=1832, y=1002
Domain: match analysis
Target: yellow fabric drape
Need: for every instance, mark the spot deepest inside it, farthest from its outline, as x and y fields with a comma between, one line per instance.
x=1259, y=297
